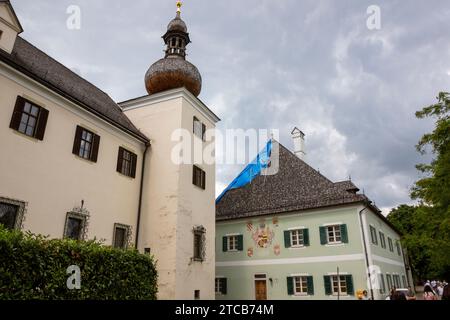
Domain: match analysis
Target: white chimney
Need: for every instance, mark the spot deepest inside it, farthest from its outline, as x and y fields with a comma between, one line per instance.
x=299, y=143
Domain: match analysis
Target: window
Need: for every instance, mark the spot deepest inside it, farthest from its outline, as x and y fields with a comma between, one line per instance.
x=233, y=243
x=381, y=283
x=221, y=286
x=296, y=238
x=11, y=213
x=126, y=162
x=399, y=251
x=75, y=227
x=86, y=144
x=391, y=246
x=121, y=236
x=199, y=243
x=199, y=129
x=373, y=235
x=29, y=118
x=300, y=285
x=396, y=279
x=1, y=34
x=198, y=177
x=197, y=294
x=389, y=281
x=333, y=234
x=342, y=285
x=382, y=240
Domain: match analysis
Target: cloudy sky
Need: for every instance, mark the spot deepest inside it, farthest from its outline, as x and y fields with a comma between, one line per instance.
x=279, y=64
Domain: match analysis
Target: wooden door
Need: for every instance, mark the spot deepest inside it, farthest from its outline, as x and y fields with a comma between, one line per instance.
x=261, y=289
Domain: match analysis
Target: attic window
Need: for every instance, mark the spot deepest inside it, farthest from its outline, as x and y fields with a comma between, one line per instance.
x=1, y=33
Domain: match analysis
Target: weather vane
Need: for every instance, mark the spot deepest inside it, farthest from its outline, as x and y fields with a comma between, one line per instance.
x=179, y=4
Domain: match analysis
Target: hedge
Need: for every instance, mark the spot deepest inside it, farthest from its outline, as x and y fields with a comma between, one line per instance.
x=34, y=267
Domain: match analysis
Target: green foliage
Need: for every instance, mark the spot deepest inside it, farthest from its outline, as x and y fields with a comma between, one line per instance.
x=34, y=267
x=434, y=188
x=426, y=227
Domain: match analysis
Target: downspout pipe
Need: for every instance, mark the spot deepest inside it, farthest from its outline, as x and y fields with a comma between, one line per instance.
x=365, y=251
x=141, y=190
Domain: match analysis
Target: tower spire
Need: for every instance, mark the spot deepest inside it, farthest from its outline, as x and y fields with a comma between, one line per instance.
x=179, y=4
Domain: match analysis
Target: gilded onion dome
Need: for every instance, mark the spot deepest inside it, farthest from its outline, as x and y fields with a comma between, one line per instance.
x=174, y=71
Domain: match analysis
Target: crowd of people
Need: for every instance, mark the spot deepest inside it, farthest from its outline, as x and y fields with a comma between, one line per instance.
x=432, y=290
x=436, y=290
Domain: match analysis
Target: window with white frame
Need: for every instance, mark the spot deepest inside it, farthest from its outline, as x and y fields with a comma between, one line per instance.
x=399, y=250
x=297, y=238
x=300, y=285
x=339, y=285
x=391, y=246
x=232, y=243
x=382, y=240
x=221, y=286
x=334, y=234
x=373, y=235
x=382, y=285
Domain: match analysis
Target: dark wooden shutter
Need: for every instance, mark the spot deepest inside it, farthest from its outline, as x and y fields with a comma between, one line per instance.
x=306, y=237
x=133, y=165
x=95, y=147
x=349, y=281
x=41, y=124
x=287, y=239
x=203, y=131
x=310, y=283
x=344, y=234
x=203, y=174
x=17, y=113
x=120, y=160
x=323, y=235
x=224, y=285
x=240, y=243
x=327, y=284
x=77, y=141
x=290, y=285
x=225, y=244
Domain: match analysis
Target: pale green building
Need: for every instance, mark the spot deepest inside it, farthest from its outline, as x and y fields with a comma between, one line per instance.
x=297, y=235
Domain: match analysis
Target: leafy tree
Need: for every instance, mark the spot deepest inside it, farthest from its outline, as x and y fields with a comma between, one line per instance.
x=426, y=227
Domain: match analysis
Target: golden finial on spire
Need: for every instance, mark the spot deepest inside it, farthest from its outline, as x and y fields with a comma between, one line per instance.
x=179, y=4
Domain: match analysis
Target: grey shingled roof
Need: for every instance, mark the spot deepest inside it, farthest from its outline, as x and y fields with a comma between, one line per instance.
x=34, y=63
x=296, y=186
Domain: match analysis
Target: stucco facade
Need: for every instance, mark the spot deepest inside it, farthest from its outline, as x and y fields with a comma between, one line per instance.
x=75, y=164
x=172, y=200
x=316, y=260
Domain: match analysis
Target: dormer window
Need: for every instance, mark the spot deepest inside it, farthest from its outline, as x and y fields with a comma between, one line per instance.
x=1, y=33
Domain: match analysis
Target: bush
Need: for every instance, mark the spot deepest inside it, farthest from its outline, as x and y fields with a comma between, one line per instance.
x=34, y=267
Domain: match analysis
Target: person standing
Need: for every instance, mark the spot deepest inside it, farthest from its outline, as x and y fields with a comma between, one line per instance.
x=428, y=293
x=446, y=292
x=410, y=295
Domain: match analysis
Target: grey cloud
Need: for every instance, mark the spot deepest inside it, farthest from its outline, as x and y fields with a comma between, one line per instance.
x=277, y=64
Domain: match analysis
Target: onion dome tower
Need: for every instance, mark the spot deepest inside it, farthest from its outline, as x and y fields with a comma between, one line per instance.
x=174, y=71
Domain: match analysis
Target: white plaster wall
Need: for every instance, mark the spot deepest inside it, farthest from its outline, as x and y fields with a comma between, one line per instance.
x=160, y=210
x=9, y=34
x=52, y=180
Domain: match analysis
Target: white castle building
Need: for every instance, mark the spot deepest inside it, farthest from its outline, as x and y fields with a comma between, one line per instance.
x=76, y=164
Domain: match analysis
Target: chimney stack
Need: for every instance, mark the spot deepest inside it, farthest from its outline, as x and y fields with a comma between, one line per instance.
x=299, y=143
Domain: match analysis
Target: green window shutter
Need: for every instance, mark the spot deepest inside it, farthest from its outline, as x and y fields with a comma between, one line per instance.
x=310, y=285
x=349, y=280
x=323, y=235
x=240, y=242
x=290, y=285
x=287, y=239
x=224, y=285
x=225, y=244
x=306, y=237
x=327, y=283
x=344, y=233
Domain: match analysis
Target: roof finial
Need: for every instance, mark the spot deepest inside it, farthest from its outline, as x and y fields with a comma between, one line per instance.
x=179, y=4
